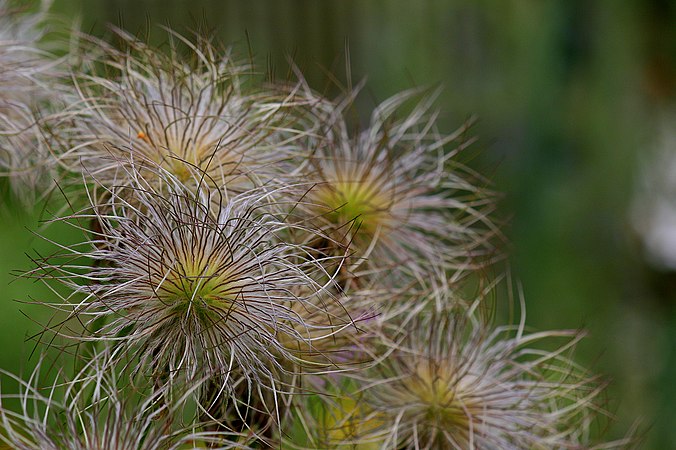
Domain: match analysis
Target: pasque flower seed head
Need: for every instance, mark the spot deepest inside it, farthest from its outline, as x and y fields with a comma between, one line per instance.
x=452, y=381
x=193, y=293
x=95, y=410
x=194, y=116
x=392, y=192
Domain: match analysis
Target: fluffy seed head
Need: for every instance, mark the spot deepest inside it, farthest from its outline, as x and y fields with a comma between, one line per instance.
x=91, y=413
x=25, y=155
x=29, y=88
x=23, y=66
x=450, y=382
x=392, y=191
x=196, y=118
x=194, y=294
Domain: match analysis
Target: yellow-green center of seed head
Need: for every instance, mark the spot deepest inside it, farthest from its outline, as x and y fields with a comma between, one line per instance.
x=437, y=395
x=179, y=168
x=186, y=160
x=346, y=422
x=358, y=205
x=182, y=162
x=193, y=283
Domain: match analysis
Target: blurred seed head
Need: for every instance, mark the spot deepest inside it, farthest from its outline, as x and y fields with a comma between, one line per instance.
x=653, y=212
x=26, y=157
x=336, y=420
x=25, y=69
x=31, y=76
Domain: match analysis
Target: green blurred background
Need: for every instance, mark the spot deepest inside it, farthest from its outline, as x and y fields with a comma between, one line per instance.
x=574, y=99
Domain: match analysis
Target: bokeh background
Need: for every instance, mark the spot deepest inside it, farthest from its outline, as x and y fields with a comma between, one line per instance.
x=576, y=103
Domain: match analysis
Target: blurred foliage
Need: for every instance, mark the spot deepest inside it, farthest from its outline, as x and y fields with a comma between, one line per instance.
x=567, y=94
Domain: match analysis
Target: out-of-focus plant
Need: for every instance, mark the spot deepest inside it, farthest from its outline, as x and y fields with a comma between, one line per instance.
x=30, y=76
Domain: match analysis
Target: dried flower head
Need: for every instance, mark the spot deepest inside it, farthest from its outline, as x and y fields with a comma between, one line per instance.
x=96, y=412
x=188, y=293
x=393, y=191
x=196, y=117
x=448, y=381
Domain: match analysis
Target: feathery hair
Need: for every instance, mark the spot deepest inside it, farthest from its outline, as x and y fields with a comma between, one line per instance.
x=96, y=411
x=450, y=381
x=188, y=115
x=188, y=293
x=393, y=191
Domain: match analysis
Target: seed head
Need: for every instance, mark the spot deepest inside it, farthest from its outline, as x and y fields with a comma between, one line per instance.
x=450, y=382
x=25, y=69
x=90, y=413
x=186, y=293
x=194, y=117
x=393, y=193
x=25, y=155
x=29, y=80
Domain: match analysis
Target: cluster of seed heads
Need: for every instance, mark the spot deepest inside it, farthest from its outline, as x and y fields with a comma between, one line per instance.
x=256, y=270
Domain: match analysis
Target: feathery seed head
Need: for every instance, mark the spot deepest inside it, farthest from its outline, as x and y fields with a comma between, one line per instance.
x=25, y=155
x=196, y=118
x=392, y=191
x=30, y=88
x=90, y=413
x=450, y=382
x=334, y=419
x=22, y=64
x=191, y=293
x=357, y=204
